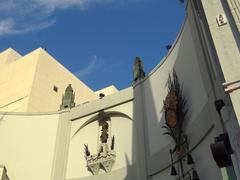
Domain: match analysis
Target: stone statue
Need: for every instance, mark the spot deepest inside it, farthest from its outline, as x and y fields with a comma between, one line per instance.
x=138, y=72
x=68, y=98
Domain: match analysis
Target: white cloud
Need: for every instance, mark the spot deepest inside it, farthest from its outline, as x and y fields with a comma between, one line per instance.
x=50, y=5
x=35, y=14
x=6, y=26
x=9, y=27
x=88, y=69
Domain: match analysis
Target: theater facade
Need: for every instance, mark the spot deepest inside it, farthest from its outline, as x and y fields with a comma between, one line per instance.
x=179, y=122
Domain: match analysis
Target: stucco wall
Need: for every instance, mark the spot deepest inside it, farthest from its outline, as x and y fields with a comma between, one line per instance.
x=50, y=73
x=86, y=131
x=27, y=82
x=189, y=58
x=27, y=145
x=52, y=146
x=16, y=79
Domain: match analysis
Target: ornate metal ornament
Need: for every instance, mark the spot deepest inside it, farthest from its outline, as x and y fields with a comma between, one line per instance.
x=170, y=105
x=175, y=114
x=105, y=157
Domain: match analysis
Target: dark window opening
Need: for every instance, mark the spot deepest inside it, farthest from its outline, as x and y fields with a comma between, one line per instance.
x=55, y=88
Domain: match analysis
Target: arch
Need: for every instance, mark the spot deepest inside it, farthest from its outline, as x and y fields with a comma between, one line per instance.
x=102, y=115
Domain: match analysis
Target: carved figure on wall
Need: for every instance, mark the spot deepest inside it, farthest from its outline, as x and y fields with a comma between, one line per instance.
x=138, y=71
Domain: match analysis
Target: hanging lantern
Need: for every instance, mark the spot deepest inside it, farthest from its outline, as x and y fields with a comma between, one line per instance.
x=173, y=171
x=189, y=159
x=195, y=175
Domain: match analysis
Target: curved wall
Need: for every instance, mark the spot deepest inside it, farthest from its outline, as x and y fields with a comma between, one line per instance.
x=188, y=57
x=51, y=146
x=28, y=145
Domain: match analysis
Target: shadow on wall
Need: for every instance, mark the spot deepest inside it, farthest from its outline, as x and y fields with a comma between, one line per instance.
x=140, y=134
x=130, y=170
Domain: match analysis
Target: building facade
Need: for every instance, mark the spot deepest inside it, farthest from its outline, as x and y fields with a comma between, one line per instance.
x=181, y=121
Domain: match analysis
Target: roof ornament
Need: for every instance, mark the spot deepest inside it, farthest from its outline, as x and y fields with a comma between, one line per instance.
x=68, y=98
x=138, y=71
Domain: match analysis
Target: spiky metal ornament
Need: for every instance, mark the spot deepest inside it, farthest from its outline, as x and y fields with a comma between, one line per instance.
x=105, y=157
x=175, y=113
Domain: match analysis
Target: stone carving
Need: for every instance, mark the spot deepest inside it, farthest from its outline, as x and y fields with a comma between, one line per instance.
x=105, y=157
x=138, y=72
x=68, y=98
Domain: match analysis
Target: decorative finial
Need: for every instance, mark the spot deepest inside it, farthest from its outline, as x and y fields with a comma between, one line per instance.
x=138, y=71
x=68, y=98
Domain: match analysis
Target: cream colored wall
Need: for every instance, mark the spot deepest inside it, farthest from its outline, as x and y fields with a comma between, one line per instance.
x=189, y=58
x=27, y=145
x=120, y=128
x=8, y=56
x=50, y=73
x=107, y=91
x=226, y=41
x=16, y=79
x=26, y=83
x=53, y=146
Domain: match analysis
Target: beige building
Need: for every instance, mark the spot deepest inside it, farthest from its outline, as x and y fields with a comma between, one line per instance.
x=125, y=134
x=36, y=82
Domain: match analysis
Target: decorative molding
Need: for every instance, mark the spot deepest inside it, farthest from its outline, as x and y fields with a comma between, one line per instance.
x=234, y=6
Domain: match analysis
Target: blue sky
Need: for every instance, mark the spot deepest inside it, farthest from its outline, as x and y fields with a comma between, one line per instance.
x=97, y=40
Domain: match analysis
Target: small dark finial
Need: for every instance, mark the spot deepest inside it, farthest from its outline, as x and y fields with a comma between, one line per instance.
x=101, y=95
x=113, y=142
x=138, y=70
x=168, y=47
